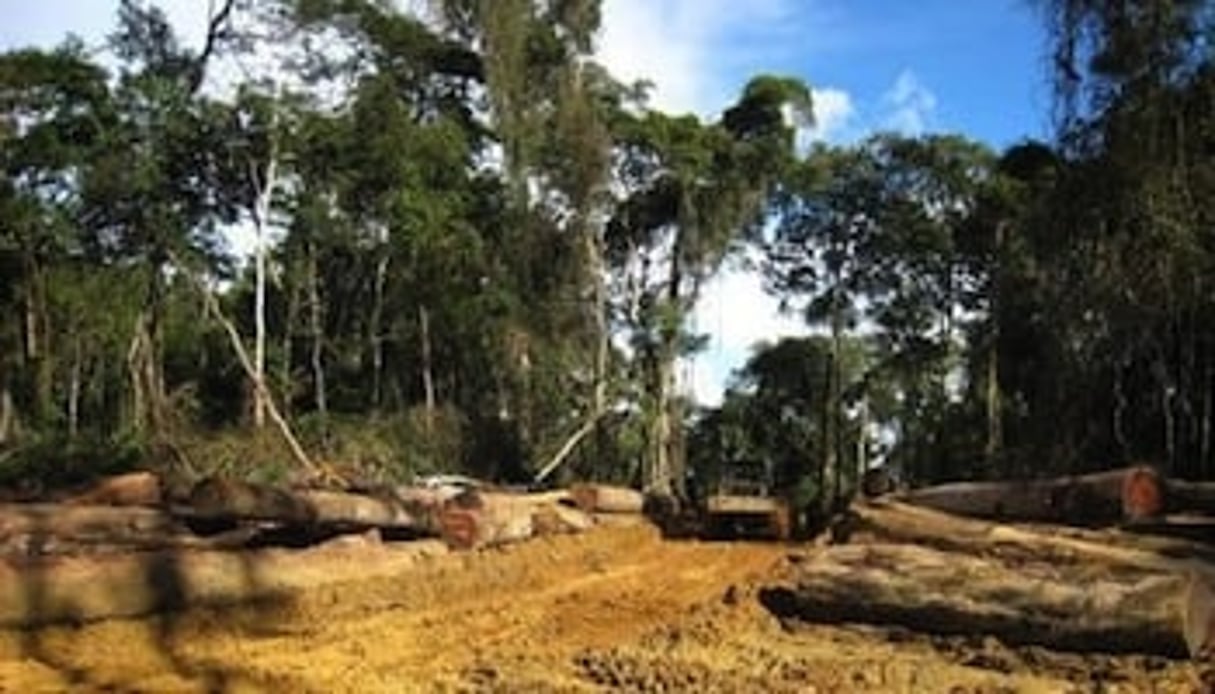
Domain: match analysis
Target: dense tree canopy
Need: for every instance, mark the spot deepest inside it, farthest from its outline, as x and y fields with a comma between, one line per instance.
x=476, y=250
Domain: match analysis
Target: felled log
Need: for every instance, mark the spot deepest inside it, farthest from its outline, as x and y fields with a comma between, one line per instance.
x=876, y=482
x=603, y=498
x=36, y=530
x=80, y=589
x=478, y=519
x=229, y=499
x=1103, y=498
x=1191, y=497
x=131, y=489
x=946, y=593
x=895, y=522
x=1188, y=526
x=1198, y=616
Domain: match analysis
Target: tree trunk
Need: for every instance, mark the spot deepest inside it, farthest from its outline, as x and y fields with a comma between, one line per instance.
x=259, y=339
x=837, y=412
x=37, y=341
x=287, y=363
x=658, y=481
x=8, y=417
x=73, y=400
x=660, y=478
x=317, y=333
x=144, y=356
x=994, y=402
x=428, y=381
x=1208, y=385
x=595, y=268
x=376, y=329
x=141, y=369
x=264, y=184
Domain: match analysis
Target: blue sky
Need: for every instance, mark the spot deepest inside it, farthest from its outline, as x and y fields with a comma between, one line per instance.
x=968, y=66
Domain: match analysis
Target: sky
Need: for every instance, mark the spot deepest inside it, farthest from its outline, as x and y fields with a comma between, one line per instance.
x=973, y=67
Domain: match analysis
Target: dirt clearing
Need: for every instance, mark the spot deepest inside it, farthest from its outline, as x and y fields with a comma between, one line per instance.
x=614, y=608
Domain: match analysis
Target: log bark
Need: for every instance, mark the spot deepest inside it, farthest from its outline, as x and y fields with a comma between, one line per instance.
x=132, y=489
x=53, y=590
x=480, y=519
x=1104, y=498
x=228, y=499
x=1198, y=616
x=889, y=521
x=602, y=498
x=1191, y=497
x=946, y=593
x=40, y=530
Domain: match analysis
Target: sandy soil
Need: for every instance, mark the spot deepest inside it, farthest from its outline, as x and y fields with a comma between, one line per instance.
x=615, y=608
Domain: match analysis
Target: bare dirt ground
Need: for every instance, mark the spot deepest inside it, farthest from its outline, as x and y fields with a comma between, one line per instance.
x=616, y=608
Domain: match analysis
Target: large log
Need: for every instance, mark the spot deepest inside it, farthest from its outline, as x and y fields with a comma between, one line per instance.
x=35, y=530
x=891, y=521
x=1103, y=498
x=131, y=489
x=229, y=499
x=478, y=519
x=603, y=498
x=1191, y=497
x=79, y=589
x=1198, y=621
x=1070, y=556
x=1068, y=608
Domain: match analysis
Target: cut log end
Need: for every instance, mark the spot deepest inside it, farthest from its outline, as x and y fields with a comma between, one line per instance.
x=1142, y=494
x=1198, y=615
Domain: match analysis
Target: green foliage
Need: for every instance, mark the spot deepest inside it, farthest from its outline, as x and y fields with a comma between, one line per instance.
x=488, y=244
x=55, y=462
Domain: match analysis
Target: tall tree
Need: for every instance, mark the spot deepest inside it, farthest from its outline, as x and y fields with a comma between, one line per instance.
x=694, y=190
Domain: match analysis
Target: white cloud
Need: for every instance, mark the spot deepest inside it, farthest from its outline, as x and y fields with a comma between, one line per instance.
x=694, y=54
x=910, y=106
x=834, y=118
x=737, y=313
x=684, y=47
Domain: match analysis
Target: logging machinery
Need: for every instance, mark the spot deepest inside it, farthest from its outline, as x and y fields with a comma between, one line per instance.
x=743, y=504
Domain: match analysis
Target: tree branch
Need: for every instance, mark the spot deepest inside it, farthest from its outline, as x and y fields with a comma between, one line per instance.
x=568, y=447
x=215, y=31
x=212, y=307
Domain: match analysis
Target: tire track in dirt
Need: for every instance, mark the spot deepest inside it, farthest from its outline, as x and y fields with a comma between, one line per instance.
x=615, y=608
x=527, y=608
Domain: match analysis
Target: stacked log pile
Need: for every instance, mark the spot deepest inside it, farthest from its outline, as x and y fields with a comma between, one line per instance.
x=905, y=567
x=126, y=546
